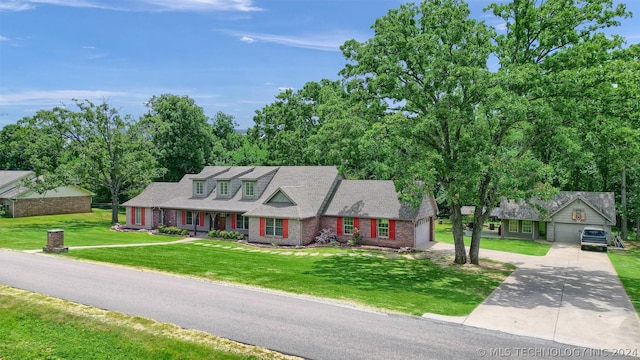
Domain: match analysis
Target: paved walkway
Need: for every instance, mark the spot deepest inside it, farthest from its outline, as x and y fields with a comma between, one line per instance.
x=569, y=296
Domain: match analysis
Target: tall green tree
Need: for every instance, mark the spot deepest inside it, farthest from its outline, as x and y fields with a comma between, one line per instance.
x=12, y=148
x=462, y=126
x=180, y=131
x=282, y=129
x=99, y=149
x=228, y=140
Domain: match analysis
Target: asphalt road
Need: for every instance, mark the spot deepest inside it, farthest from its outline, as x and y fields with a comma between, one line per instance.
x=306, y=327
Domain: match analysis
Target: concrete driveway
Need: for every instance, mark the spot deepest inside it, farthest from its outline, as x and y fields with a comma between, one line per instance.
x=569, y=296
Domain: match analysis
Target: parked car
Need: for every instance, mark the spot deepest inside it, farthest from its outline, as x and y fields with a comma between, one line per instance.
x=593, y=237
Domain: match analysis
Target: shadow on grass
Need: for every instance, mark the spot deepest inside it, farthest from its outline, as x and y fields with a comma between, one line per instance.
x=400, y=275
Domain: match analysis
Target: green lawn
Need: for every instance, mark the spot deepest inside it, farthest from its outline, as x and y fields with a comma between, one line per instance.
x=34, y=326
x=376, y=279
x=525, y=247
x=79, y=230
x=627, y=265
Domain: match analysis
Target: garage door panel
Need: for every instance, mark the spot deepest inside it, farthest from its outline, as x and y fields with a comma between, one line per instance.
x=568, y=233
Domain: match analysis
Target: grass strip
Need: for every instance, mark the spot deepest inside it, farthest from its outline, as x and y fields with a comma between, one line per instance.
x=34, y=326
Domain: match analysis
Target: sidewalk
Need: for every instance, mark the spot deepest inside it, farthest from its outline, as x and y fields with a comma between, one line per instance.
x=570, y=296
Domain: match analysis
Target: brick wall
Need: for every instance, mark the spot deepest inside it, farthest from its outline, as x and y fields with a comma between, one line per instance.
x=405, y=233
x=51, y=206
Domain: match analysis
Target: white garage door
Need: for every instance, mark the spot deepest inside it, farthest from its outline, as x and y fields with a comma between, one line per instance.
x=568, y=233
x=423, y=232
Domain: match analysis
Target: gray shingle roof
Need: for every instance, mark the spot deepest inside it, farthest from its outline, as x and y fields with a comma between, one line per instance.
x=308, y=186
x=158, y=193
x=603, y=202
x=374, y=199
x=8, y=177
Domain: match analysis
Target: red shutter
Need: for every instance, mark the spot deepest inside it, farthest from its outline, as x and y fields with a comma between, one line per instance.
x=184, y=217
x=339, y=226
x=356, y=223
x=374, y=228
x=133, y=215
x=233, y=221
x=285, y=228
x=142, y=211
x=262, y=226
x=201, y=219
x=392, y=229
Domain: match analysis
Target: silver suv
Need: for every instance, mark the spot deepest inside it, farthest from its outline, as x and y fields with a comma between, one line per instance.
x=593, y=237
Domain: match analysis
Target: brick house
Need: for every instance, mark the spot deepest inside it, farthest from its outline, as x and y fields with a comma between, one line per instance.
x=17, y=200
x=287, y=205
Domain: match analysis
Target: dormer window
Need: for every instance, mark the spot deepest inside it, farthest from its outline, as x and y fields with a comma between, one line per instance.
x=249, y=189
x=223, y=188
x=198, y=187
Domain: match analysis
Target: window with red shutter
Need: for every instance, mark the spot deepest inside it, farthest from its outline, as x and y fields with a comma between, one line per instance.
x=339, y=226
x=262, y=221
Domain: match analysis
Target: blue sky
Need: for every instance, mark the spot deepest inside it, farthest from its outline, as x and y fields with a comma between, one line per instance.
x=232, y=56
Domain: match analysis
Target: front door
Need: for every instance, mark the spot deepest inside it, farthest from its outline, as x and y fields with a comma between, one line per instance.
x=221, y=222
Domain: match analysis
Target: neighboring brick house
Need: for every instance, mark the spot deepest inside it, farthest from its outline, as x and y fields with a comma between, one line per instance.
x=287, y=205
x=562, y=218
x=17, y=200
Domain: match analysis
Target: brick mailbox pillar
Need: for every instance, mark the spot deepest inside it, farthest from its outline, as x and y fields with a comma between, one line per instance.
x=55, y=242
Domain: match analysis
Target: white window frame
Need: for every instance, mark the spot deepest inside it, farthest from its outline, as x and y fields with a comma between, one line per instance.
x=189, y=218
x=138, y=215
x=249, y=189
x=383, y=228
x=223, y=188
x=273, y=227
x=527, y=226
x=198, y=187
x=242, y=222
x=512, y=228
x=347, y=226
x=161, y=217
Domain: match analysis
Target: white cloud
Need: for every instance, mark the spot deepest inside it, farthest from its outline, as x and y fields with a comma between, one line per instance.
x=136, y=5
x=329, y=41
x=56, y=97
x=247, y=39
x=2, y=38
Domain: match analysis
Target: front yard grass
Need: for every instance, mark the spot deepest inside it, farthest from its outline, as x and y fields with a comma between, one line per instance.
x=383, y=280
x=525, y=247
x=79, y=230
x=627, y=265
x=34, y=326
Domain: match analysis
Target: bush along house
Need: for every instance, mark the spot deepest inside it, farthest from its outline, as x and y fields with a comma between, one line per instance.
x=285, y=205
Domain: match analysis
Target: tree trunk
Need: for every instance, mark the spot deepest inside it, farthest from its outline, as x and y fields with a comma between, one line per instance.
x=479, y=218
x=458, y=234
x=623, y=202
x=115, y=204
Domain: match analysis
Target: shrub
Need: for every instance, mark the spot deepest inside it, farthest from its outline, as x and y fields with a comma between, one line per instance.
x=172, y=230
x=326, y=236
x=224, y=234
x=356, y=238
